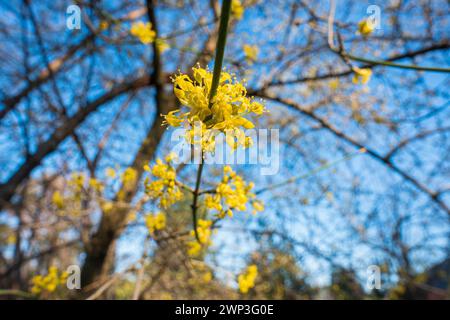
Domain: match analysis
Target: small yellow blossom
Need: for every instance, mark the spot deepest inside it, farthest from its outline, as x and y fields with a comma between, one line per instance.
x=96, y=185
x=247, y=279
x=237, y=9
x=103, y=25
x=155, y=222
x=207, y=277
x=48, y=283
x=107, y=206
x=110, y=172
x=143, y=31
x=58, y=200
x=204, y=233
x=225, y=114
x=129, y=176
x=257, y=206
x=164, y=187
x=171, y=119
x=366, y=27
x=361, y=75
x=334, y=84
x=251, y=52
x=232, y=193
x=162, y=45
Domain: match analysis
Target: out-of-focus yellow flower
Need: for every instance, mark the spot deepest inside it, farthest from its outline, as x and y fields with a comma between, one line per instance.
x=257, y=206
x=237, y=9
x=103, y=25
x=164, y=187
x=333, y=84
x=96, y=185
x=207, y=277
x=107, y=206
x=143, y=31
x=58, y=200
x=204, y=237
x=232, y=193
x=155, y=222
x=129, y=176
x=48, y=283
x=366, y=27
x=361, y=75
x=247, y=279
x=251, y=52
x=110, y=172
x=162, y=45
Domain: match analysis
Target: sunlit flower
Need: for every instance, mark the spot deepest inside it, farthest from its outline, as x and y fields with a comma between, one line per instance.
x=361, y=75
x=48, y=283
x=58, y=200
x=143, y=31
x=163, y=187
x=366, y=27
x=247, y=279
x=204, y=232
x=237, y=9
x=226, y=113
x=155, y=222
x=251, y=52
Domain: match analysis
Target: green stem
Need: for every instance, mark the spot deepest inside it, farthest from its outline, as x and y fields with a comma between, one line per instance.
x=394, y=65
x=220, y=50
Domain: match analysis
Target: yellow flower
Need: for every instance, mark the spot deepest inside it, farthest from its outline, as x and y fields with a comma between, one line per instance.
x=247, y=279
x=251, y=52
x=237, y=9
x=164, y=187
x=207, y=277
x=366, y=27
x=204, y=233
x=334, y=84
x=103, y=25
x=110, y=173
x=171, y=119
x=107, y=206
x=257, y=206
x=232, y=193
x=227, y=111
x=58, y=200
x=155, y=222
x=162, y=45
x=129, y=176
x=48, y=283
x=361, y=75
x=96, y=185
x=143, y=31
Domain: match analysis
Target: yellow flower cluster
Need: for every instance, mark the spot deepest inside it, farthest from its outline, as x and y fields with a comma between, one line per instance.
x=232, y=193
x=247, y=279
x=204, y=238
x=77, y=185
x=226, y=112
x=237, y=9
x=250, y=52
x=128, y=179
x=365, y=27
x=143, y=31
x=164, y=187
x=58, y=200
x=361, y=75
x=155, y=222
x=49, y=282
